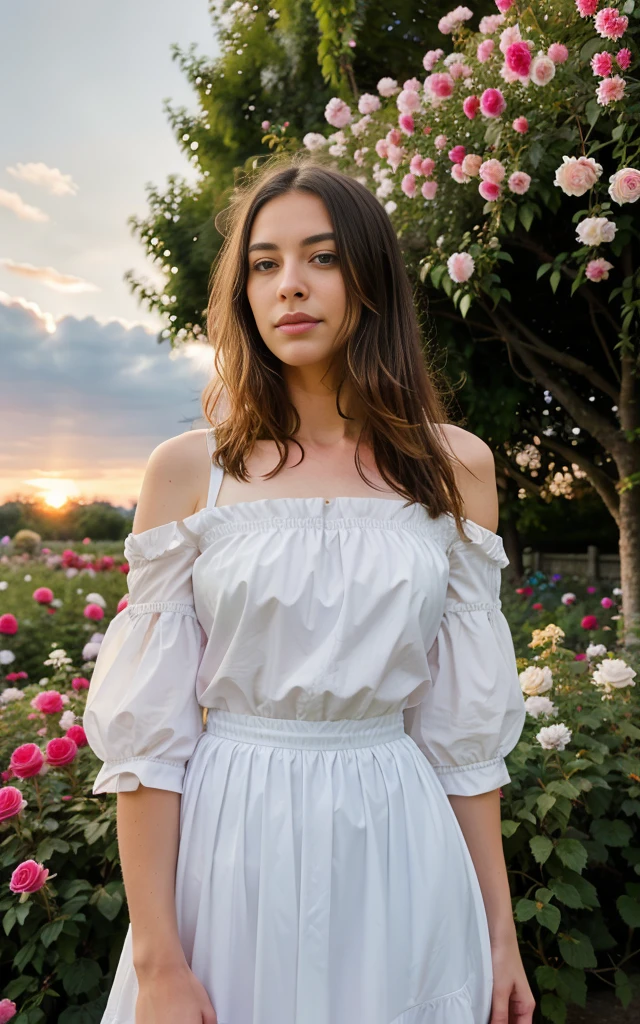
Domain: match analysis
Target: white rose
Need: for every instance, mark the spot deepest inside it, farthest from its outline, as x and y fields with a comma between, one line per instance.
x=535, y=681
x=313, y=140
x=67, y=719
x=6, y=657
x=536, y=706
x=554, y=737
x=596, y=650
x=614, y=673
x=595, y=230
x=11, y=693
x=568, y=598
x=3, y=584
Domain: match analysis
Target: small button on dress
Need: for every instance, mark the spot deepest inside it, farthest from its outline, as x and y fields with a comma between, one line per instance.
x=315, y=676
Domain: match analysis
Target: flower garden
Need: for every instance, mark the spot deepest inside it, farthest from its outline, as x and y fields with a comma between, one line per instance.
x=570, y=818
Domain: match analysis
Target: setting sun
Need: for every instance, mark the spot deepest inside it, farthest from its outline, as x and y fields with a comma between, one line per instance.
x=55, y=493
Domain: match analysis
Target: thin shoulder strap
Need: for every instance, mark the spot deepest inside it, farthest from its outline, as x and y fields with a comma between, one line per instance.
x=217, y=472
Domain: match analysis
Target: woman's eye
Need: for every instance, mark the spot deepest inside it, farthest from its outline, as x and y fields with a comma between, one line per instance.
x=323, y=255
x=331, y=257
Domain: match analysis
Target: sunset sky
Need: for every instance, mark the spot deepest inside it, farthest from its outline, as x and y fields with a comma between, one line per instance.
x=86, y=393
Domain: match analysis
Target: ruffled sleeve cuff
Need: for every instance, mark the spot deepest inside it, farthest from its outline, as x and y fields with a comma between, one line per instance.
x=125, y=776
x=473, y=779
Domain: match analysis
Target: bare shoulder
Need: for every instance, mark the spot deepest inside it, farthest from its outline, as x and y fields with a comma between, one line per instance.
x=176, y=475
x=475, y=470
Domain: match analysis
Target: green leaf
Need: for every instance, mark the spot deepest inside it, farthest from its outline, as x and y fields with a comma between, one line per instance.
x=576, y=949
x=572, y=854
x=502, y=255
x=567, y=894
x=562, y=787
x=9, y=920
x=590, y=47
x=465, y=303
x=629, y=910
x=509, y=827
x=571, y=985
x=95, y=830
x=549, y=917
x=624, y=992
x=525, y=212
x=592, y=109
x=542, y=270
x=618, y=131
x=108, y=904
x=554, y=280
x=611, y=833
x=24, y=956
x=81, y=976
x=553, y=1008
x=536, y=153
x=525, y=910
x=546, y=976
x=544, y=804
x=541, y=848
x=509, y=217
x=50, y=932
x=437, y=274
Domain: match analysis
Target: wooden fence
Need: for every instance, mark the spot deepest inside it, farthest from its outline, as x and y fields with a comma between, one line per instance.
x=592, y=565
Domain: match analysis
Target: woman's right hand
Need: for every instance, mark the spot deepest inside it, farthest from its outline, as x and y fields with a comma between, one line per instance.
x=173, y=994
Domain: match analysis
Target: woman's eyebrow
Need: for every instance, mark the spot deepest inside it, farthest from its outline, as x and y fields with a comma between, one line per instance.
x=323, y=237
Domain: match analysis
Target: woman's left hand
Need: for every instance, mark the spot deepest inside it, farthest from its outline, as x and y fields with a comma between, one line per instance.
x=513, y=1001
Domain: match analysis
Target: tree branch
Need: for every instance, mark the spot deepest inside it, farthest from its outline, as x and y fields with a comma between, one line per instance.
x=601, y=482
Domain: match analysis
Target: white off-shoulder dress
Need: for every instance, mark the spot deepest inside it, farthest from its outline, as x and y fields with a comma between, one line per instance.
x=356, y=668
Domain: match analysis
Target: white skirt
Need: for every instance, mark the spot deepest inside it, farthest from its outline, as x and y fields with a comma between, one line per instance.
x=323, y=878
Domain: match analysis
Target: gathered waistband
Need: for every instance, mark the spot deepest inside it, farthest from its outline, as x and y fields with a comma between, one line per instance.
x=305, y=734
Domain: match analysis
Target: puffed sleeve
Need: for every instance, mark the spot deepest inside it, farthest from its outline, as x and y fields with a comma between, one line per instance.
x=473, y=713
x=142, y=716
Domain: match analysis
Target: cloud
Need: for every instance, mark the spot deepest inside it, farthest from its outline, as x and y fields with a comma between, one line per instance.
x=51, y=277
x=50, y=178
x=89, y=401
x=17, y=205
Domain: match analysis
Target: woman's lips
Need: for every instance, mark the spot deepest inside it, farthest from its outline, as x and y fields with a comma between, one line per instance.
x=299, y=328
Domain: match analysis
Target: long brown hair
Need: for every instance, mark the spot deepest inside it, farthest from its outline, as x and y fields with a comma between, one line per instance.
x=379, y=340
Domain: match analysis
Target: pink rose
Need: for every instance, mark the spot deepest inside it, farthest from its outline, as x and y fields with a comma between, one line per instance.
x=606, y=602
x=542, y=70
x=395, y=156
x=8, y=1009
x=492, y=170
x=265, y=125
x=489, y=190
x=28, y=877
x=43, y=595
x=456, y=155
x=49, y=702
x=558, y=53
x=431, y=58
x=492, y=103
x=407, y=101
x=78, y=735
x=394, y=137
x=623, y=58
x=508, y=36
x=519, y=182
x=407, y=124
x=381, y=148
x=598, y=270
x=518, y=59
x=368, y=103
x=440, y=141
x=504, y=5
x=610, y=90
x=80, y=683
x=460, y=266
x=93, y=611
x=520, y=125
x=589, y=622
x=610, y=24
x=591, y=590
x=576, y=175
x=415, y=164
x=408, y=185
x=428, y=166
x=624, y=185
x=387, y=87
x=412, y=83
x=471, y=164
x=485, y=49
x=471, y=106
x=602, y=64
x=439, y=84
x=337, y=112
x=587, y=7
x=8, y=624
x=429, y=189
x=490, y=24
x=458, y=174
x=580, y=657
x=460, y=70
x=61, y=751
x=11, y=802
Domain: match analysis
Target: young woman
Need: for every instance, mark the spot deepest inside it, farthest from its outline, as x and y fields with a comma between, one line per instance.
x=321, y=574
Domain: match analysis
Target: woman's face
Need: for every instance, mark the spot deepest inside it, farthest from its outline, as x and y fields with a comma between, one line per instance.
x=293, y=268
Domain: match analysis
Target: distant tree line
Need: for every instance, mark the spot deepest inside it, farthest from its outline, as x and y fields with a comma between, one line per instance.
x=99, y=520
